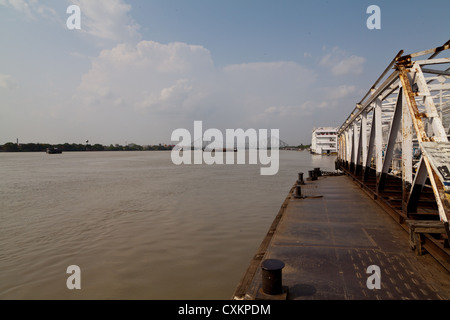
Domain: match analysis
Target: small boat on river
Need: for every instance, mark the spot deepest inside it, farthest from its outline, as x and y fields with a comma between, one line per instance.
x=54, y=151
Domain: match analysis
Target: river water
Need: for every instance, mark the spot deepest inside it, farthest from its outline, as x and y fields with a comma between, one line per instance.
x=138, y=226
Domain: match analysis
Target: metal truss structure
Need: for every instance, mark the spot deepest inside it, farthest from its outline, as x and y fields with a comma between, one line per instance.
x=395, y=145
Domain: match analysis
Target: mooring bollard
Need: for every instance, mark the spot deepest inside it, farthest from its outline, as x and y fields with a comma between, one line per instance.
x=298, y=191
x=300, y=178
x=312, y=174
x=272, y=276
x=318, y=172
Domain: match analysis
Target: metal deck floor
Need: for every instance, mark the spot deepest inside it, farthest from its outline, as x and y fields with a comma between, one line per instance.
x=329, y=239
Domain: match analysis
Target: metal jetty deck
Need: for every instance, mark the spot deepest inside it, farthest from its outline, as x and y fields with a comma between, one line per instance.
x=329, y=238
x=394, y=146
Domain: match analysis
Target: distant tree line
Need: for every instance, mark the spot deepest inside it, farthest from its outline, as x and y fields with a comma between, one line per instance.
x=42, y=147
x=295, y=148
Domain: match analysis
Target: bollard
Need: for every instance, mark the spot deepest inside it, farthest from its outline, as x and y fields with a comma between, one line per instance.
x=298, y=191
x=318, y=172
x=312, y=175
x=300, y=178
x=272, y=276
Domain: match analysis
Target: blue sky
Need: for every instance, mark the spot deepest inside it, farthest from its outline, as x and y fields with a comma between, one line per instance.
x=137, y=70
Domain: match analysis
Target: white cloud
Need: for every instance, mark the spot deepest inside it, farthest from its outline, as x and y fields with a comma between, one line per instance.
x=175, y=97
x=7, y=82
x=341, y=64
x=20, y=5
x=108, y=19
x=148, y=75
x=104, y=19
x=340, y=92
x=320, y=104
x=269, y=83
x=283, y=111
x=30, y=8
x=351, y=65
x=173, y=82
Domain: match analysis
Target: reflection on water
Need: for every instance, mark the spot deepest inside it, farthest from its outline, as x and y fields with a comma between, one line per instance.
x=138, y=226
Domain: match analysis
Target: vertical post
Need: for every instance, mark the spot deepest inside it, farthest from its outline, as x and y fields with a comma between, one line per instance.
x=363, y=135
x=378, y=138
x=395, y=128
x=342, y=148
x=355, y=145
x=348, y=148
x=361, y=149
x=407, y=150
x=352, y=148
x=417, y=187
x=370, y=148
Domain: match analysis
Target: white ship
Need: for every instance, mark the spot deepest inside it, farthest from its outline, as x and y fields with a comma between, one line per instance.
x=324, y=141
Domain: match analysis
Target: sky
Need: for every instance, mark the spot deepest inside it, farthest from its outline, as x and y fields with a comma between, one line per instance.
x=138, y=70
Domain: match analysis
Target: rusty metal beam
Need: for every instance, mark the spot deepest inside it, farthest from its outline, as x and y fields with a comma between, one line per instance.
x=435, y=51
x=413, y=111
x=411, y=102
x=416, y=116
x=407, y=153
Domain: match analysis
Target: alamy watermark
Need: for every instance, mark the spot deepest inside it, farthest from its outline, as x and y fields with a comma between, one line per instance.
x=74, y=280
x=74, y=20
x=374, y=21
x=210, y=148
x=373, y=281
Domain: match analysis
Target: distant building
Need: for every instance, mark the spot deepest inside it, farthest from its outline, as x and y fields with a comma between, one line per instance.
x=324, y=141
